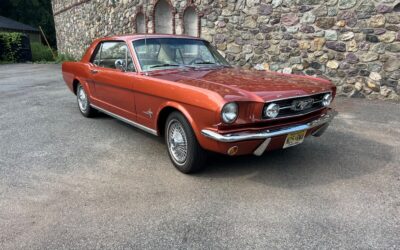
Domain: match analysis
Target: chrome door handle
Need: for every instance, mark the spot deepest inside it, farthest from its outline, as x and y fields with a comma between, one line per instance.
x=93, y=71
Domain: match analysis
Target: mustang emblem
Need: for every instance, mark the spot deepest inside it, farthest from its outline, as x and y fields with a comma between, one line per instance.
x=299, y=105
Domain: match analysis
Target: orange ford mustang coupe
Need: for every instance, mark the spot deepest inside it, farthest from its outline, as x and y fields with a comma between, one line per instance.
x=181, y=88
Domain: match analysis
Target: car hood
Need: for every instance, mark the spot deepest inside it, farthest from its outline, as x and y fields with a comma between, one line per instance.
x=247, y=85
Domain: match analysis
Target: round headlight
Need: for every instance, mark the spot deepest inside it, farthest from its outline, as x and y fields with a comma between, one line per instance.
x=326, y=100
x=272, y=110
x=229, y=112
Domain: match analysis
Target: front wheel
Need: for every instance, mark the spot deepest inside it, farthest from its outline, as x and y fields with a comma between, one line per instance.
x=184, y=150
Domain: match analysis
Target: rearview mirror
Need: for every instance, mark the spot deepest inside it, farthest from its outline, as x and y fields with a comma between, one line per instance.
x=120, y=64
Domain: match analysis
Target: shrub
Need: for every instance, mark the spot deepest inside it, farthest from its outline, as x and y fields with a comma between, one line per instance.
x=10, y=45
x=65, y=58
x=41, y=53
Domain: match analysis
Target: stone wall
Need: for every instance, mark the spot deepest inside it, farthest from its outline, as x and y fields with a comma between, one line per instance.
x=355, y=43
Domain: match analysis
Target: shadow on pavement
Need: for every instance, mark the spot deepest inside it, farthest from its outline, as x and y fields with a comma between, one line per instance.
x=319, y=161
x=335, y=156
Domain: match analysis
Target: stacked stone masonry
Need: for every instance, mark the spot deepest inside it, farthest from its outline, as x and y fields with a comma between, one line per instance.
x=354, y=43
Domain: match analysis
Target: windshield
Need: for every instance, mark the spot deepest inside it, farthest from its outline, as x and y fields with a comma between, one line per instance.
x=163, y=53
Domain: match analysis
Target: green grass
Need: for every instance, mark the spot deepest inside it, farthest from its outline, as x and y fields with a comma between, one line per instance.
x=41, y=53
x=6, y=62
x=64, y=58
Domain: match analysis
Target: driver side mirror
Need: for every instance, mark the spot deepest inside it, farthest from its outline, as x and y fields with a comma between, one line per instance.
x=120, y=64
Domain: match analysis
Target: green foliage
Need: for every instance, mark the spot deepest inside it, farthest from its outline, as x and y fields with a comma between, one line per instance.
x=41, y=53
x=32, y=12
x=10, y=44
x=5, y=62
x=65, y=58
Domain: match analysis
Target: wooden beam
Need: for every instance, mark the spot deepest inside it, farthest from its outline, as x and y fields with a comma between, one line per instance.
x=52, y=52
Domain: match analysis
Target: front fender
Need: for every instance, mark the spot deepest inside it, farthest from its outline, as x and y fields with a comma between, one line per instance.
x=197, y=117
x=182, y=109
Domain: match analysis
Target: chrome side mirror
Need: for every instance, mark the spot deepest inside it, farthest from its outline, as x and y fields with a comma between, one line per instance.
x=120, y=64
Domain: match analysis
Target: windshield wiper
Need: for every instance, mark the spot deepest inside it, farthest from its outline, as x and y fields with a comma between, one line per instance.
x=210, y=63
x=205, y=63
x=165, y=65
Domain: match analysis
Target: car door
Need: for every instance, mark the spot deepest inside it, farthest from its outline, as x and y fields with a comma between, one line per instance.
x=113, y=86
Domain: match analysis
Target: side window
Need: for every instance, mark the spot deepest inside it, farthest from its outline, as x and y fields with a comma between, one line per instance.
x=96, y=59
x=110, y=52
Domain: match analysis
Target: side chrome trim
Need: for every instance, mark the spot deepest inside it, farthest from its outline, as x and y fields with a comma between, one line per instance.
x=245, y=136
x=137, y=125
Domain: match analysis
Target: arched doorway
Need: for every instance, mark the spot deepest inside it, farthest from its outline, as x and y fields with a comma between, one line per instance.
x=163, y=18
x=140, y=23
x=190, y=22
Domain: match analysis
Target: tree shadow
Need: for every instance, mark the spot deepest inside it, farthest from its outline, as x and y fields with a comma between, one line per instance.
x=153, y=138
x=335, y=156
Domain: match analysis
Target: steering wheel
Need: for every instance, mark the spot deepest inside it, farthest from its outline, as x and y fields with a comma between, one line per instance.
x=196, y=60
x=130, y=66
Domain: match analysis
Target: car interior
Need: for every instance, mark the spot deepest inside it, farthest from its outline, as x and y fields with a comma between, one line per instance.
x=153, y=53
x=110, y=52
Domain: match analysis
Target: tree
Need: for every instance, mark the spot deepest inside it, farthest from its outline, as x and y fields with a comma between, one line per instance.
x=32, y=12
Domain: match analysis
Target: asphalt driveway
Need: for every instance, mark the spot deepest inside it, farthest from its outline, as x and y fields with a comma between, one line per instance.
x=71, y=182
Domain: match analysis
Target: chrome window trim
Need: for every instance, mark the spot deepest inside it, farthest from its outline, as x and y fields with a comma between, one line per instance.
x=137, y=125
x=128, y=53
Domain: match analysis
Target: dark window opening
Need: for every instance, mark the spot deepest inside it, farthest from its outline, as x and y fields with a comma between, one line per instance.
x=190, y=22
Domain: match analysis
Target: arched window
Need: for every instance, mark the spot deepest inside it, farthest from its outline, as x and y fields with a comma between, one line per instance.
x=163, y=18
x=190, y=22
x=140, y=23
x=396, y=8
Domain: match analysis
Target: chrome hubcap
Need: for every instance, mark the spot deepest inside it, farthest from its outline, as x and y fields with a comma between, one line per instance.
x=177, y=142
x=82, y=99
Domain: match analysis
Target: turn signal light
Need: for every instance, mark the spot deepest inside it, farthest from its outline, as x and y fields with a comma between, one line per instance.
x=233, y=150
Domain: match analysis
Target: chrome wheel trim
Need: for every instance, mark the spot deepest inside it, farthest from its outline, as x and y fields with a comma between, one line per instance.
x=82, y=99
x=177, y=142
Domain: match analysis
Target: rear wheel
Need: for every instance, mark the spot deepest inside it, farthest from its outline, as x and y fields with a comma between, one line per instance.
x=84, y=103
x=184, y=150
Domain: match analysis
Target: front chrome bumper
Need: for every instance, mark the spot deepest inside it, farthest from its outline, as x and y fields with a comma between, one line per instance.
x=262, y=135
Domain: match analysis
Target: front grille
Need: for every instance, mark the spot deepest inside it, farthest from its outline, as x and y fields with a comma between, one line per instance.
x=297, y=106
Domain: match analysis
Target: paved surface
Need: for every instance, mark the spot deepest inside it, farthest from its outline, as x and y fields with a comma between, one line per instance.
x=71, y=182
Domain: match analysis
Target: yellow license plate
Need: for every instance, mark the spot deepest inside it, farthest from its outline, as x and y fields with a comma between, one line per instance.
x=294, y=139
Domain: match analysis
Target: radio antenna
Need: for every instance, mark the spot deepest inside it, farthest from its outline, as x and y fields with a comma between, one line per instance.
x=145, y=23
x=146, y=4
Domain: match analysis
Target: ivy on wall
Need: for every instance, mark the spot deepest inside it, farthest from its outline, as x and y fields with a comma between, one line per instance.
x=10, y=45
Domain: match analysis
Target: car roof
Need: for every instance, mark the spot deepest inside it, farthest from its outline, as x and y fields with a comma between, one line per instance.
x=132, y=37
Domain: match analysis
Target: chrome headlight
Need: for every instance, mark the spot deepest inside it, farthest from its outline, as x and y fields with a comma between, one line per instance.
x=272, y=110
x=229, y=112
x=327, y=99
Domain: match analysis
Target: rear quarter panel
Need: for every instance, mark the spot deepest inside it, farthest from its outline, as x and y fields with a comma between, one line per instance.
x=77, y=71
